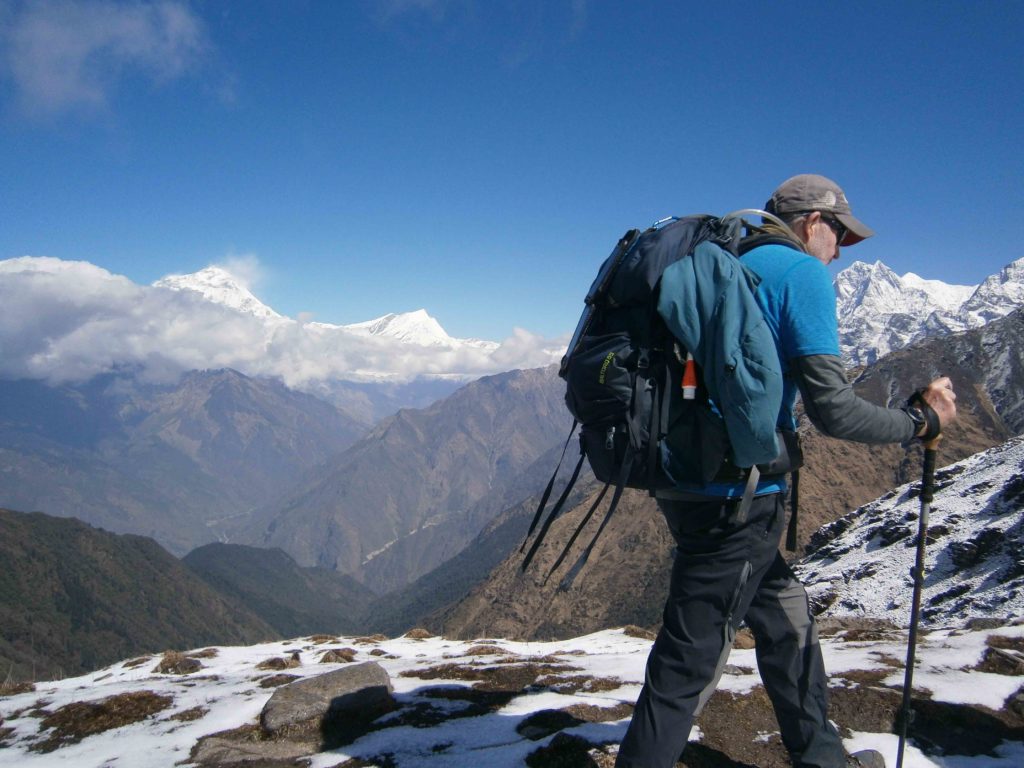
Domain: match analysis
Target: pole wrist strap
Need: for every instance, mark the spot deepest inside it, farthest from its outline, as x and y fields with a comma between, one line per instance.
x=931, y=418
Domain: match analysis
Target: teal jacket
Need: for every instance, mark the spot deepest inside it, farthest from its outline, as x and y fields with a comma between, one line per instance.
x=708, y=303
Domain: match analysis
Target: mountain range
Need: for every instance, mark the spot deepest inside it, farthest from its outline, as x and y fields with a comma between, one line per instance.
x=419, y=477
x=172, y=462
x=219, y=455
x=880, y=311
x=624, y=579
x=499, y=702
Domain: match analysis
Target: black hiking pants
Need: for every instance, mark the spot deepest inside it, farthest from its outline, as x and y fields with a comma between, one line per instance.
x=726, y=572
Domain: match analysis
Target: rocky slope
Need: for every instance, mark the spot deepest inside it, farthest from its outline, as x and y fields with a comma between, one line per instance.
x=503, y=704
x=861, y=563
x=415, y=471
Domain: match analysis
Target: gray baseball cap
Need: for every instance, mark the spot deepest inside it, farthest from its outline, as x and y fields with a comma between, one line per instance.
x=811, y=192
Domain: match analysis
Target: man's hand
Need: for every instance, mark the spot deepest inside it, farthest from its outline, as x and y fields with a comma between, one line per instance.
x=942, y=399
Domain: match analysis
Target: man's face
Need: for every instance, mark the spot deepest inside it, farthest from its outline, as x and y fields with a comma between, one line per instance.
x=822, y=238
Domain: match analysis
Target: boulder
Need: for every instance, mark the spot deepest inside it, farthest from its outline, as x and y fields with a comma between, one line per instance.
x=243, y=747
x=342, y=700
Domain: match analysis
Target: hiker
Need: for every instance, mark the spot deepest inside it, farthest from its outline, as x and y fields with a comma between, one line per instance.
x=726, y=571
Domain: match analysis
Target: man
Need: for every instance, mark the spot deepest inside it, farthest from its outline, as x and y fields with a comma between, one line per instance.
x=727, y=571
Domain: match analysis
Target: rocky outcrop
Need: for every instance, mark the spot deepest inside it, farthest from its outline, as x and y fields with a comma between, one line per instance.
x=345, y=698
x=301, y=718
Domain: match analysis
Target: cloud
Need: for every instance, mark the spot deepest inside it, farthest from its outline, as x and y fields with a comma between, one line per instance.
x=64, y=55
x=245, y=268
x=68, y=321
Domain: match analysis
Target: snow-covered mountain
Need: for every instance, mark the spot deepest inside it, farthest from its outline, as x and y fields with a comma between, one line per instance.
x=418, y=328
x=218, y=285
x=975, y=554
x=415, y=327
x=880, y=311
x=69, y=321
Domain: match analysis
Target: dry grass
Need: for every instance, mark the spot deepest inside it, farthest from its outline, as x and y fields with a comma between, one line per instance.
x=579, y=683
x=370, y=639
x=188, y=715
x=279, y=663
x=9, y=688
x=73, y=722
x=339, y=656
x=632, y=630
x=320, y=639
x=485, y=650
x=177, y=663
x=507, y=678
x=419, y=634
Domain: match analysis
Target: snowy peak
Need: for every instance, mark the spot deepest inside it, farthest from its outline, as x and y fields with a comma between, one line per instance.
x=880, y=311
x=414, y=328
x=218, y=285
x=998, y=295
x=943, y=295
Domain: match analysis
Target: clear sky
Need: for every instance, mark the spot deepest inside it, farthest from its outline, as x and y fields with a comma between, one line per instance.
x=479, y=158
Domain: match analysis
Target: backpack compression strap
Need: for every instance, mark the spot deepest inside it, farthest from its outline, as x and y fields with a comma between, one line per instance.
x=566, y=582
x=794, y=496
x=555, y=512
x=579, y=529
x=551, y=484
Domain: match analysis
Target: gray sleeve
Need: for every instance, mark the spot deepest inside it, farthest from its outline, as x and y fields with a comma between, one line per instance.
x=834, y=408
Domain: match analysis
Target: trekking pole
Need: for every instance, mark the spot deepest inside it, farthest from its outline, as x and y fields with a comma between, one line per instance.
x=927, y=491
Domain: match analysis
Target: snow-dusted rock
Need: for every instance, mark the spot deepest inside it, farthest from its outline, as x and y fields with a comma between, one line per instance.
x=359, y=692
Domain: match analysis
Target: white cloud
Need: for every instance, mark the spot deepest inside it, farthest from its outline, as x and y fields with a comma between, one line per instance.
x=245, y=268
x=71, y=320
x=71, y=55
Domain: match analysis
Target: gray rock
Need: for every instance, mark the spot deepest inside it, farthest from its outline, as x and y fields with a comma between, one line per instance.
x=343, y=698
x=231, y=748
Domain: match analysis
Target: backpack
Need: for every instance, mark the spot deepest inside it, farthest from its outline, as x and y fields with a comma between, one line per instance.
x=672, y=373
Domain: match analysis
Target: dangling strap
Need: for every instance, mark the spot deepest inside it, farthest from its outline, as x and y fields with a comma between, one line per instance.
x=551, y=484
x=794, y=503
x=627, y=464
x=579, y=529
x=748, y=494
x=654, y=438
x=555, y=511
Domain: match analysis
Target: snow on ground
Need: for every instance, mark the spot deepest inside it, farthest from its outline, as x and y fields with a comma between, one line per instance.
x=974, y=556
x=228, y=691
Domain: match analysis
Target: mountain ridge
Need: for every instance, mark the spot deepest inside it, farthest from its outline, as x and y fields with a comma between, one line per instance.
x=74, y=597
x=880, y=311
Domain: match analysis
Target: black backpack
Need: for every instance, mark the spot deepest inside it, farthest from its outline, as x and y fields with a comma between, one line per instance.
x=623, y=370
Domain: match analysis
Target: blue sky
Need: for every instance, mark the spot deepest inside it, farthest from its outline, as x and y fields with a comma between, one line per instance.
x=479, y=159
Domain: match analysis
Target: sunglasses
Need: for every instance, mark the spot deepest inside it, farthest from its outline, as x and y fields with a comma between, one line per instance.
x=837, y=227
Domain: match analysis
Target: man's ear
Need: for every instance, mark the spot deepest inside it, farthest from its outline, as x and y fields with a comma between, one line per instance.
x=807, y=223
